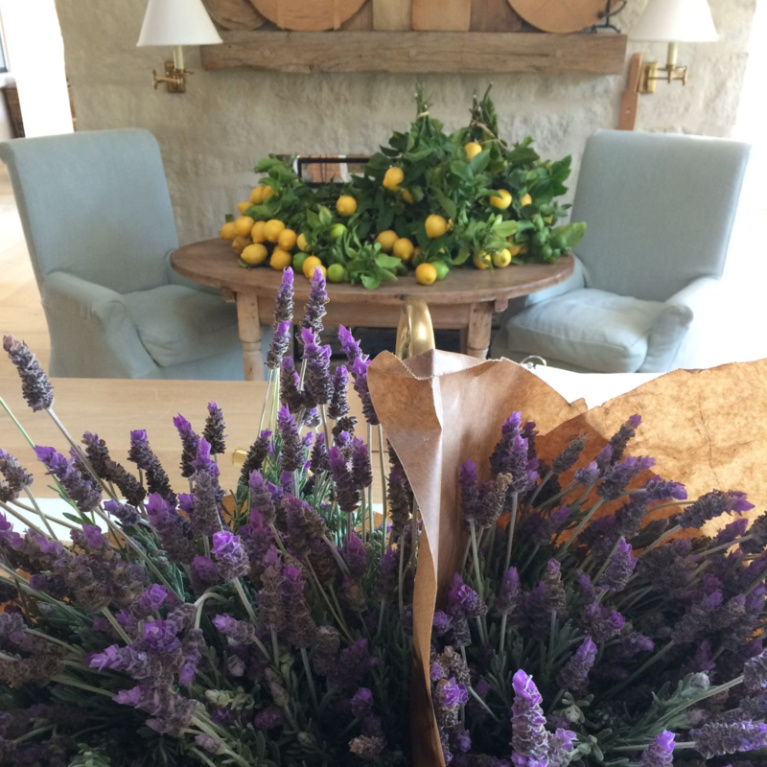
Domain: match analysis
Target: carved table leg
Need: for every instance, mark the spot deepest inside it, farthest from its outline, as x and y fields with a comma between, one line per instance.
x=249, y=327
x=480, y=326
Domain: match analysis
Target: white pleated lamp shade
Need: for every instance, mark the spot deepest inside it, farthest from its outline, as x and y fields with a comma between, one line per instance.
x=676, y=21
x=177, y=22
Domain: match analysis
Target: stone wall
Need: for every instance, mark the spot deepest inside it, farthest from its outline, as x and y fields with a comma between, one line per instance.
x=213, y=135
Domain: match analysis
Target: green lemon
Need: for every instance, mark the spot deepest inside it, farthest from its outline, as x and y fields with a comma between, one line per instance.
x=298, y=261
x=338, y=231
x=336, y=273
x=442, y=269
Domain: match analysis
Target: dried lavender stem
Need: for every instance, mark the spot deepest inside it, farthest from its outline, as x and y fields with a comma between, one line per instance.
x=382, y=465
x=370, y=489
x=538, y=489
x=478, y=578
x=654, y=659
x=324, y=416
x=22, y=519
x=483, y=704
x=16, y=422
x=606, y=563
x=586, y=519
x=510, y=531
x=310, y=679
x=243, y=598
x=661, y=539
x=107, y=613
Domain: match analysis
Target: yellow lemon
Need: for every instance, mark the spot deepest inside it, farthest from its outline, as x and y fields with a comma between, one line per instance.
x=526, y=200
x=472, y=150
x=272, y=229
x=243, y=225
x=280, y=259
x=515, y=250
x=267, y=193
x=310, y=264
x=435, y=226
x=502, y=200
x=426, y=274
x=257, y=232
x=502, y=259
x=257, y=195
x=302, y=243
x=243, y=207
x=393, y=178
x=254, y=254
x=407, y=196
x=523, y=248
x=287, y=239
x=346, y=205
x=482, y=260
x=403, y=248
x=239, y=243
x=386, y=240
x=228, y=231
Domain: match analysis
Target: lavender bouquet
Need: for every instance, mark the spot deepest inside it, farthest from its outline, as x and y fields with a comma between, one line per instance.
x=175, y=629
x=586, y=626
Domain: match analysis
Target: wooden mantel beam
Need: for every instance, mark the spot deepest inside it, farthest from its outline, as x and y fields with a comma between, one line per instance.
x=418, y=52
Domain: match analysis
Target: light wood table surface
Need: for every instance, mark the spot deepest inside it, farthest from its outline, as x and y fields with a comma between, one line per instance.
x=465, y=300
x=112, y=408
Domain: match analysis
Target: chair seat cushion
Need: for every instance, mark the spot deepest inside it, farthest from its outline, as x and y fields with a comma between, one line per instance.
x=179, y=325
x=587, y=329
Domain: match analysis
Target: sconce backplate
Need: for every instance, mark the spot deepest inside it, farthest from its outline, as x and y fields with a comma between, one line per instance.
x=648, y=82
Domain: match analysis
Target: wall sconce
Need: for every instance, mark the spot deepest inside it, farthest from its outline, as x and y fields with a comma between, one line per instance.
x=672, y=22
x=176, y=23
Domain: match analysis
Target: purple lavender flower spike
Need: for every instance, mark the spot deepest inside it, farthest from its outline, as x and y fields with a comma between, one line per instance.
x=350, y=346
x=141, y=454
x=257, y=454
x=561, y=747
x=35, y=386
x=347, y=495
x=529, y=739
x=80, y=490
x=463, y=600
x=339, y=404
x=15, y=478
x=190, y=442
x=722, y=738
x=362, y=471
x=660, y=753
x=711, y=506
x=619, y=569
x=588, y=475
x=360, y=375
x=660, y=490
x=174, y=531
x=301, y=628
x=269, y=719
x=624, y=435
x=569, y=456
x=318, y=386
x=315, y=308
x=214, y=429
x=355, y=555
x=292, y=457
x=283, y=304
x=618, y=475
x=601, y=623
x=279, y=346
x=755, y=673
x=291, y=395
x=362, y=703
x=509, y=594
x=575, y=673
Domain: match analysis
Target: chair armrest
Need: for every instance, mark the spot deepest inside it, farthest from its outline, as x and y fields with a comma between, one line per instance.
x=92, y=334
x=671, y=328
x=575, y=281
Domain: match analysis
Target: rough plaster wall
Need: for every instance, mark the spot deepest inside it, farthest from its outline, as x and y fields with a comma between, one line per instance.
x=211, y=136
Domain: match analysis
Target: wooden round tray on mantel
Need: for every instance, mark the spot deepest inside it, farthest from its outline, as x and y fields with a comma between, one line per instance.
x=308, y=15
x=560, y=16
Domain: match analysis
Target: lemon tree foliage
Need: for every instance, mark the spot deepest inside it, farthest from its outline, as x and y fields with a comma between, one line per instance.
x=428, y=197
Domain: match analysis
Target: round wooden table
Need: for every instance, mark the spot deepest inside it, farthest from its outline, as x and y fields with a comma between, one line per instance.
x=465, y=300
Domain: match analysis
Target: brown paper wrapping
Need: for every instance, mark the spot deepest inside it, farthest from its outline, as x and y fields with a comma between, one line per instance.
x=706, y=429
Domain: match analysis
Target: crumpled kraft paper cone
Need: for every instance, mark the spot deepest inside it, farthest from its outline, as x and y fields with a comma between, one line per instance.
x=438, y=410
x=707, y=429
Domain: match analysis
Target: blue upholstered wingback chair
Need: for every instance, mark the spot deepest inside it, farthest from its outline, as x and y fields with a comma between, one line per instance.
x=99, y=227
x=660, y=210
